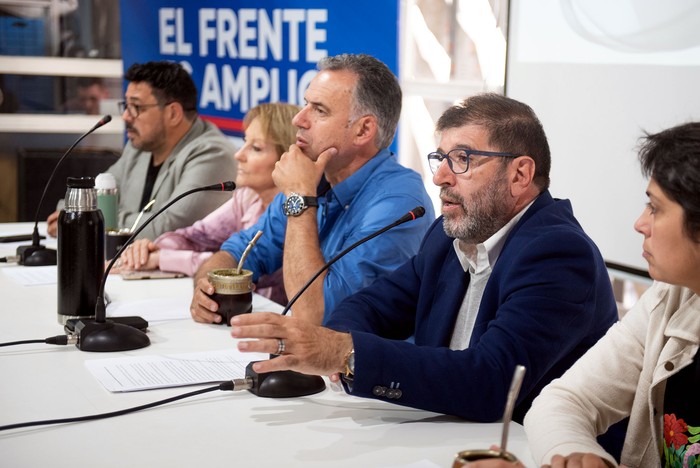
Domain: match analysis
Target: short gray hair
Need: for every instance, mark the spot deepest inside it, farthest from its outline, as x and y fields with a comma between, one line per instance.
x=376, y=93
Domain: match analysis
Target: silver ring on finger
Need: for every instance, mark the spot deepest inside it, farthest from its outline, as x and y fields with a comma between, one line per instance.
x=280, y=346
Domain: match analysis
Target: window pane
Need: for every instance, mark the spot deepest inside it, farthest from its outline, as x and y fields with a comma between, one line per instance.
x=31, y=94
x=64, y=28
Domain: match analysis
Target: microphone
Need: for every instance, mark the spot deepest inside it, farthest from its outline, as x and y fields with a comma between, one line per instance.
x=37, y=254
x=102, y=335
x=287, y=383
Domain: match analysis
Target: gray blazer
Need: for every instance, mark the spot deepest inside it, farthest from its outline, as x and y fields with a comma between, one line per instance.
x=204, y=156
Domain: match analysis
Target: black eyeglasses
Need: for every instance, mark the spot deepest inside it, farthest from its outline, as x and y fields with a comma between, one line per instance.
x=458, y=159
x=135, y=109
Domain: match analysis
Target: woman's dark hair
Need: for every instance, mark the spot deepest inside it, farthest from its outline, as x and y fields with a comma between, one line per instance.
x=672, y=158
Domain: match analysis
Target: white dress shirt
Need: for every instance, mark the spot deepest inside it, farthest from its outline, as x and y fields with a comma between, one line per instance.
x=478, y=260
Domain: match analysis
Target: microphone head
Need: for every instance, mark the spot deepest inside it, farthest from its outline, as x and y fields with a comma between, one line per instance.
x=227, y=186
x=106, y=119
x=418, y=211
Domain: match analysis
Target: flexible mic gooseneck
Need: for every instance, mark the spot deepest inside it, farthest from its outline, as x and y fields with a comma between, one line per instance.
x=415, y=213
x=285, y=384
x=37, y=254
x=102, y=335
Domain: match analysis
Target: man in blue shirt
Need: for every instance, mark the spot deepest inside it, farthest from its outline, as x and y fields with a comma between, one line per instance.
x=506, y=276
x=338, y=183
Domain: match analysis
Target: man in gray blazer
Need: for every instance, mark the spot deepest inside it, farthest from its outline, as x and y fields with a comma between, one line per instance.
x=170, y=150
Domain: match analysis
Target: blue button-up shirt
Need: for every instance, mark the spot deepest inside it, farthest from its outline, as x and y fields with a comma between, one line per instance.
x=379, y=193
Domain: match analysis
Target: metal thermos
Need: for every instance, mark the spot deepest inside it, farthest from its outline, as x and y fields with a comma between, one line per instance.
x=81, y=253
x=107, y=199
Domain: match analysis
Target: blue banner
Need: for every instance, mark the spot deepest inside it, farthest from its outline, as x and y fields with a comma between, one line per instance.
x=245, y=52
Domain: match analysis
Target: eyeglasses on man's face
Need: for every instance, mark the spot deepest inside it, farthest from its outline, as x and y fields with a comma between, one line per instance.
x=135, y=109
x=458, y=159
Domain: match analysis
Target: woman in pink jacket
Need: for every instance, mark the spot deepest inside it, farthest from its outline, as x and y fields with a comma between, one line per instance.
x=268, y=134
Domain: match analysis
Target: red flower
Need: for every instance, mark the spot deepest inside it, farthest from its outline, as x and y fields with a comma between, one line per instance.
x=674, y=431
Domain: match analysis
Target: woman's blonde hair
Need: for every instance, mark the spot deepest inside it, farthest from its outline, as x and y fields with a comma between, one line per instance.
x=275, y=120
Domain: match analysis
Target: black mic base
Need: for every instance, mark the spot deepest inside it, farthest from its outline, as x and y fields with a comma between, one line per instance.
x=36, y=255
x=108, y=336
x=284, y=384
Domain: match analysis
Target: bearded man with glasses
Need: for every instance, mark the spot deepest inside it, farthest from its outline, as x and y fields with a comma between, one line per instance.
x=505, y=276
x=170, y=150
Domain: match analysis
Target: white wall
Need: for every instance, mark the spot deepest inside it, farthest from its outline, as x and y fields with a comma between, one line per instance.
x=598, y=73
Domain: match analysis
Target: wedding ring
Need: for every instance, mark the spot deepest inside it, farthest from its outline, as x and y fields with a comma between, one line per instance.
x=118, y=263
x=280, y=346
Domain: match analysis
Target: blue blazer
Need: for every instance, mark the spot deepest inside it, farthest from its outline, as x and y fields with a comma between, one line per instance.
x=547, y=301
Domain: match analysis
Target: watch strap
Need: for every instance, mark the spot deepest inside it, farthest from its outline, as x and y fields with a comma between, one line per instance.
x=310, y=201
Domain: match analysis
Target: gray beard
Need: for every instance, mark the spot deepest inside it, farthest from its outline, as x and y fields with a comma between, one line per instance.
x=483, y=215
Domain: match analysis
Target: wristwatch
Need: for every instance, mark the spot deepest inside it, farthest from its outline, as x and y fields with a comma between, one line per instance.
x=349, y=373
x=296, y=204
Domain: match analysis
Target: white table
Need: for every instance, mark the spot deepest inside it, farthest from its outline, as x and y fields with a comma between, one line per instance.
x=216, y=429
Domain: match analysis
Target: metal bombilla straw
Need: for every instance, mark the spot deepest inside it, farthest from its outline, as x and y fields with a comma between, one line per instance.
x=140, y=215
x=247, y=251
x=515, y=385
x=466, y=456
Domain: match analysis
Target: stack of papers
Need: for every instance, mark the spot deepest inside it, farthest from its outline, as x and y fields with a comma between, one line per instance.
x=34, y=276
x=128, y=374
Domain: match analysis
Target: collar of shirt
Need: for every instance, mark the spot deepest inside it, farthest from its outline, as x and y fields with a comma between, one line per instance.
x=345, y=191
x=478, y=258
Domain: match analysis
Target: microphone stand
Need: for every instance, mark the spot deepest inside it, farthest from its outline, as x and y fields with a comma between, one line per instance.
x=37, y=254
x=287, y=383
x=102, y=335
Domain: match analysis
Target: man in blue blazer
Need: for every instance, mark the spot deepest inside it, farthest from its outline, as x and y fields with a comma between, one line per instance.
x=506, y=276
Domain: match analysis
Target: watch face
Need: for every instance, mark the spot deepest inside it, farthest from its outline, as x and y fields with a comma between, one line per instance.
x=294, y=205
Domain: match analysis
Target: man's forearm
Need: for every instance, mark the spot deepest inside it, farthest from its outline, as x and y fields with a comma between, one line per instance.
x=220, y=259
x=302, y=259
